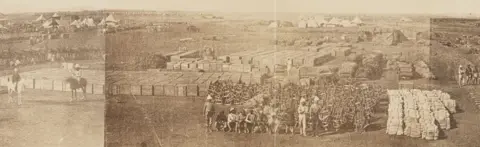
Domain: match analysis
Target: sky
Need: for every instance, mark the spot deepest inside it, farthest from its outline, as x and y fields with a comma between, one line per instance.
x=317, y=6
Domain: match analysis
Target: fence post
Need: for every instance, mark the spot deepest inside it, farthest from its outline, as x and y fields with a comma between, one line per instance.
x=153, y=90
x=141, y=89
x=33, y=84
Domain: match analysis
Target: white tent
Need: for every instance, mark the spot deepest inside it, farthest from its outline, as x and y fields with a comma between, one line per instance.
x=320, y=21
x=90, y=23
x=110, y=19
x=84, y=22
x=357, y=20
x=101, y=22
x=335, y=21
x=2, y=27
x=49, y=24
x=405, y=19
x=312, y=24
x=273, y=25
x=40, y=18
x=55, y=15
x=347, y=23
x=75, y=23
x=302, y=24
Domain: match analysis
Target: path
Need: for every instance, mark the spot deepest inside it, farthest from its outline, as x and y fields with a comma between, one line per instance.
x=47, y=119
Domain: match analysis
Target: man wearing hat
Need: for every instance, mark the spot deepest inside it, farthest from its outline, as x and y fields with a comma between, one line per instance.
x=302, y=120
x=314, y=109
x=77, y=74
x=461, y=75
x=16, y=78
x=209, y=111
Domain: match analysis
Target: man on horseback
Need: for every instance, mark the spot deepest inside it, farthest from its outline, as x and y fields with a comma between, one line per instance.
x=77, y=74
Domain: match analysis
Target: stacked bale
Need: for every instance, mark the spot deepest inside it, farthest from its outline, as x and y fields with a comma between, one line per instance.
x=395, y=114
x=427, y=119
x=412, y=116
x=423, y=70
x=347, y=69
x=422, y=110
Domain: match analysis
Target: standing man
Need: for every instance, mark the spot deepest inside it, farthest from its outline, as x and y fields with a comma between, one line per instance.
x=314, y=109
x=469, y=74
x=302, y=120
x=16, y=78
x=208, y=111
x=461, y=75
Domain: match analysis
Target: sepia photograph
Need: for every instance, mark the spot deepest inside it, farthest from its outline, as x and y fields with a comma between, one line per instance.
x=217, y=73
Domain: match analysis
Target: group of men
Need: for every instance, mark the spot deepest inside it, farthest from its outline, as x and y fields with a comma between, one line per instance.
x=268, y=118
x=468, y=75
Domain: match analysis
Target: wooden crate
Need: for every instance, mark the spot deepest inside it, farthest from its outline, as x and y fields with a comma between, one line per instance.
x=170, y=90
x=181, y=90
x=192, y=90
x=136, y=90
x=158, y=90
x=147, y=90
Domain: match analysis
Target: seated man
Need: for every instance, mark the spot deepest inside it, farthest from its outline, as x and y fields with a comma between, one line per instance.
x=231, y=120
x=221, y=121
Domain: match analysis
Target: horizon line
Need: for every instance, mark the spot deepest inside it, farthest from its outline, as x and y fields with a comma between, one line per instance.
x=213, y=11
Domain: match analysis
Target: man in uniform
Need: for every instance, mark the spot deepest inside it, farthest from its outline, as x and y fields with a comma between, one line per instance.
x=77, y=74
x=314, y=109
x=461, y=75
x=302, y=120
x=209, y=111
x=16, y=78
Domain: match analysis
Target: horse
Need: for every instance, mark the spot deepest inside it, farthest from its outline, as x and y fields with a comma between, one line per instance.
x=75, y=84
x=18, y=90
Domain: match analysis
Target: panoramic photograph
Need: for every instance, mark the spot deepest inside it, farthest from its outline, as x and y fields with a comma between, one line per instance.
x=245, y=73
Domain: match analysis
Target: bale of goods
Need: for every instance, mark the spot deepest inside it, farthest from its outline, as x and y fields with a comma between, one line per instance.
x=355, y=57
x=395, y=113
x=303, y=42
x=412, y=116
x=422, y=110
x=423, y=70
x=348, y=68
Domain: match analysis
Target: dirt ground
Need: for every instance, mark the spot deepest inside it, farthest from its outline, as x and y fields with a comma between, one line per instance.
x=179, y=122
x=47, y=119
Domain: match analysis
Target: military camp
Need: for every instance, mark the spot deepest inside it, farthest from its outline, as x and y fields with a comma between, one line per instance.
x=188, y=78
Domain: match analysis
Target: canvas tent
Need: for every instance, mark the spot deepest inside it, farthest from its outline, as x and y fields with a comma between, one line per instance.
x=102, y=23
x=50, y=24
x=395, y=38
x=320, y=21
x=110, y=21
x=56, y=16
x=76, y=24
x=40, y=19
x=312, y=24
x=302, y=24
x=347, y=23
x=274, y=24
x=405, y=19
x=286, y=24
x=90, y=23
x=357, y=21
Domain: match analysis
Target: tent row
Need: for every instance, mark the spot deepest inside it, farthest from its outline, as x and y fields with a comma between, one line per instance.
x=334, y=22
x=87, y=22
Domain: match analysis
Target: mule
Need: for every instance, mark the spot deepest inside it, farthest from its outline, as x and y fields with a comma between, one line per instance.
x=18, y=89
x=75, y=84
